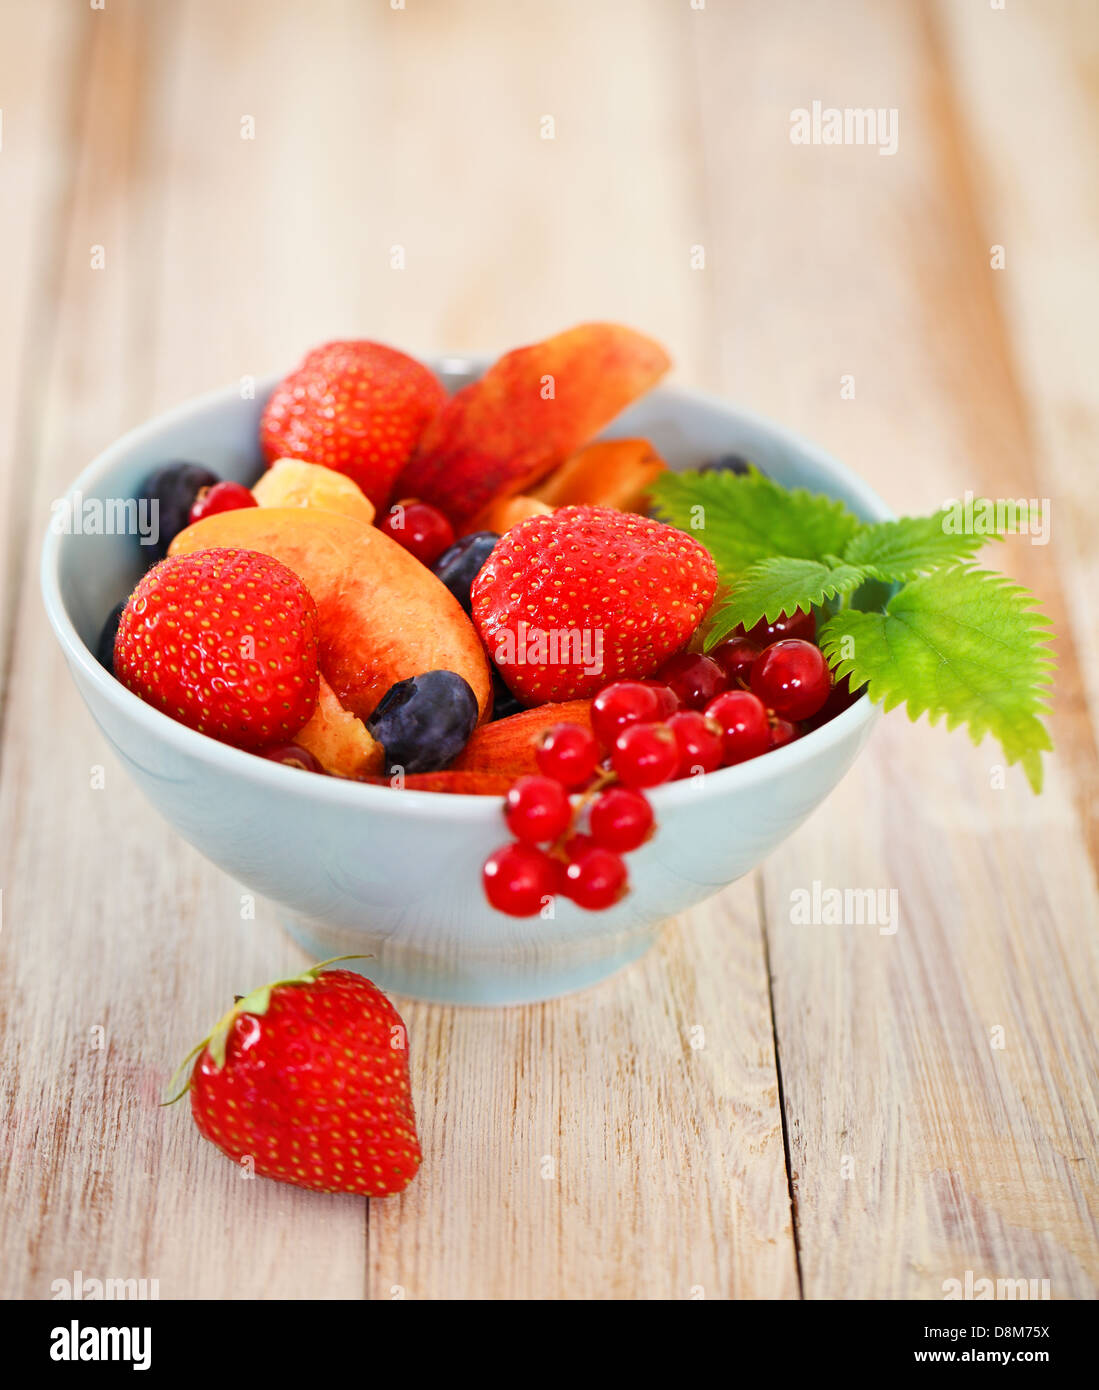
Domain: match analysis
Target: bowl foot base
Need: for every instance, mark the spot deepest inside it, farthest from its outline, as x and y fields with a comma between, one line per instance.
x=492, y=982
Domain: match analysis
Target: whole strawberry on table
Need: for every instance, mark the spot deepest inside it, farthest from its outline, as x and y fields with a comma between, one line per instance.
x=471, y=594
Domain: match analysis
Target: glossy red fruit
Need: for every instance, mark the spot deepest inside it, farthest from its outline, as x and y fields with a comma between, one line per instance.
x=801, y=624
x=621, y=819
x=744, y=725
x=224, y=640
x=356, y=407
x=569, y=754
x=421, y=530
x=840, y=697
x=792, y=678
x=308, y=1079
x=667, y=699
x=291, y=755
x=694, y=679
x=700, y=741
x=782, y=733
x=537, y=810
x=221, y=497
x=736, y=658
x=519, y=879
x=645, y=755
x=596, y=880
x=624, y=703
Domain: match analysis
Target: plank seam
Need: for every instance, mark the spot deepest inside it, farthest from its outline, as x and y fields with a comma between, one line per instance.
x=787, y=1156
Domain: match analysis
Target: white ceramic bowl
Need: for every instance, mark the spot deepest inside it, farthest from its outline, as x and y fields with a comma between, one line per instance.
x=396, y=874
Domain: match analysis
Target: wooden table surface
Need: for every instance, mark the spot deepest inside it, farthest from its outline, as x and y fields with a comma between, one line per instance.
x=758, y=1109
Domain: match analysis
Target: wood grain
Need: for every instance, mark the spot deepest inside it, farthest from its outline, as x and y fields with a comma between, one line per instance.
x=197, y=300
x=937, y=1084
x=914, y=1136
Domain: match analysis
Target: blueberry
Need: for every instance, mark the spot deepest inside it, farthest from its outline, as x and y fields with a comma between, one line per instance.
x=459, y=566
x=503, y=701
x=727, y=463
x=104, y=648
x=424, y=722
x=173, y=488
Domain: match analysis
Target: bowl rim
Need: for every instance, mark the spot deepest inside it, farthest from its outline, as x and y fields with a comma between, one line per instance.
x=341, y=792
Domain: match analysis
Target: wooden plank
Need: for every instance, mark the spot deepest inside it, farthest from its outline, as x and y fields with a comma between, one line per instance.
x=37, y=47
x=620, y=1143
x=919, y=1147
x=120, y=944
x=232, y=256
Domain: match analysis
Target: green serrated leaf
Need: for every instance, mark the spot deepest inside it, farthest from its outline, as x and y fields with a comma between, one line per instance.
x=780, y=585
x=912, y=545
x=744, y=518
x=958, y=643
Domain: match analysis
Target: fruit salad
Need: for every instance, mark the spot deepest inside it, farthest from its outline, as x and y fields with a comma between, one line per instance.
x=472, y=594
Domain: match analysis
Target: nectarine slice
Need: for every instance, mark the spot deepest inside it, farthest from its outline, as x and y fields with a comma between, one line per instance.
x=383, y=616
x=340, y=741
x=456, y=783
x=528, y=413
x=295, y=483
x=506, y=512
x=612, y=473
x=509, y=745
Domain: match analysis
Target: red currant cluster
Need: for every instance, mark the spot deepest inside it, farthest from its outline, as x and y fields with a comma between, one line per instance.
x=751, y=694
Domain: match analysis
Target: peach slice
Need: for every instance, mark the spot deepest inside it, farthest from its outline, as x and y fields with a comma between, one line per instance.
x=456, y=783
x=506, y=512
x=509, y=745
x=295, y=483
x=612, y=473
x=383, y=615
x=338, y=740
x=531, y=410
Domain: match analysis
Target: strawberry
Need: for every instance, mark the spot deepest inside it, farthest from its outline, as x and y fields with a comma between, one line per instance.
x=356, y=407
x=225, y=641
x=308, y=1078
x=569, y=602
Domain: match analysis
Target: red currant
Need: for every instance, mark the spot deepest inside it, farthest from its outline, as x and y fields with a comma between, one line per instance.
x=292, y=756
x=694, y=678
x=840, y=697
x=519, y=879
x=596, y=880
x=644, y=755
x=782, y=732
x=537, y=810
x=700, y=741
x=744, y=725
x=569, y=754
x=421, y=529
x=621, y=819
x=801, y=624
x=792, y=678
x=735, y=658
x=668, y=700
x=577, y=845
x=621, y=704
x=221, y=497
